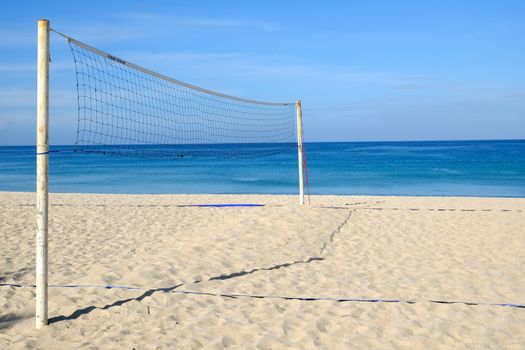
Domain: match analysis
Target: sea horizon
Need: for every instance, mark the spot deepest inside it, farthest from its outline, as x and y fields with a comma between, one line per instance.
x=467, y=168
x=307, y=142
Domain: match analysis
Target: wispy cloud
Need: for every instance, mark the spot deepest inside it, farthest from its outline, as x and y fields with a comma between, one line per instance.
x=230, y=23
x=277, y=67
x=148, y=25
x=88, y=31
x=417, y=82
x=3, y=123
x=16, y=38
x=26, y=98
x=104, y=31
x=17, y=97
x=17, y=67
x=31, y=67
x=200, y=21
x=163, y=57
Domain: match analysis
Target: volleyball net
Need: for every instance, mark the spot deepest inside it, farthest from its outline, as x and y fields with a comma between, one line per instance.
x=126, y=109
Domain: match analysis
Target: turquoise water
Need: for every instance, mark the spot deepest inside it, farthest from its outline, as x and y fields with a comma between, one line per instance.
x=458, y=168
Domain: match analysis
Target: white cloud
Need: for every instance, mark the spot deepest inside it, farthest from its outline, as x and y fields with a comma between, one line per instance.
x=164, y=57
x=3, y=123
x=102, y=31
x=27, y=98
x=17, y=67
x=199, y=21
x=16, y=38
x=273, y=66
x=17, y=97
x=230, y=23
x=31, y=67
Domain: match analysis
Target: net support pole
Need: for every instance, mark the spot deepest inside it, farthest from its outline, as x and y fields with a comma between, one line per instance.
x=42, y=149
x=300, y=149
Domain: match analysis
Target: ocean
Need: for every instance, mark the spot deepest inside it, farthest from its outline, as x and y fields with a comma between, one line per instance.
x=444, y=168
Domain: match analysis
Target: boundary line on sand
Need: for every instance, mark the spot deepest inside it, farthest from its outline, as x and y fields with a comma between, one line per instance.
x=269, y=296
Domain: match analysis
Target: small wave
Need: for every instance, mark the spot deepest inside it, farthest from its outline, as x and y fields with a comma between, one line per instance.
x=247, y=179
x=447, y=171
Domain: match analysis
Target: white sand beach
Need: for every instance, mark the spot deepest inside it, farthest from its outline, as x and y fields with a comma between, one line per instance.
x=269, y=277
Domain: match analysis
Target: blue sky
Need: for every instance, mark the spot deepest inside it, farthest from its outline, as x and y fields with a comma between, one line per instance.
x=365, y=70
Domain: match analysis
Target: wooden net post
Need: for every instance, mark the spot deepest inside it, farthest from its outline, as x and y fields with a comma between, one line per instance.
x=42, y=152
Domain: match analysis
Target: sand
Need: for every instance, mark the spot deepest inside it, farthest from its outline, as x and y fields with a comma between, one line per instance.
x=265, y=277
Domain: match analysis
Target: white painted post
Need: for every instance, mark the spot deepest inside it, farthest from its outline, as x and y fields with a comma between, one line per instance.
x=42, y=149
x=300, y=149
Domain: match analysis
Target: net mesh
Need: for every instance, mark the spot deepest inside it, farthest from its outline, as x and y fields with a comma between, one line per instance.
x=127, y=110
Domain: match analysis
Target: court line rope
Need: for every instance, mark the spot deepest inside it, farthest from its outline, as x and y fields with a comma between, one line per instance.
x=269, y=296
